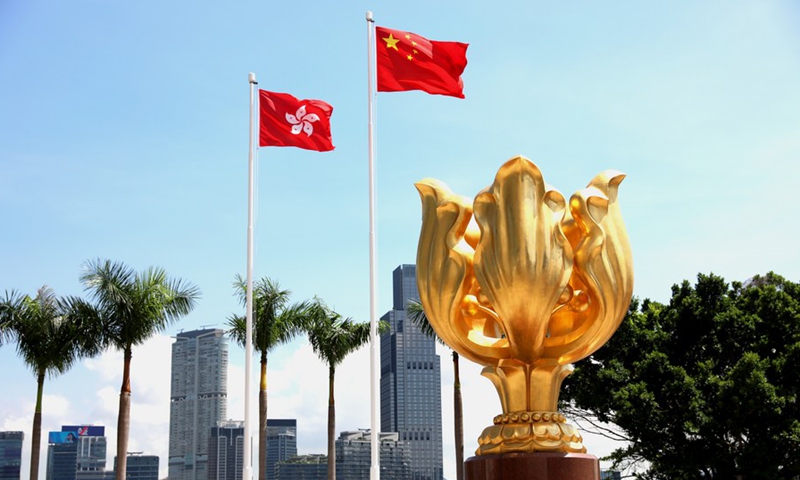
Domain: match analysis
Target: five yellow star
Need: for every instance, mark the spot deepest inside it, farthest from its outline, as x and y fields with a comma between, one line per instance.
x=391, y=42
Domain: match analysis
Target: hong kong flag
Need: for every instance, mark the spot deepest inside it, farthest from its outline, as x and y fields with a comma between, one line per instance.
x=286, y=121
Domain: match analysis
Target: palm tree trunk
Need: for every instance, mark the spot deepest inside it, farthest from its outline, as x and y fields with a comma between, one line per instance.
x=331, y=426
x=36, y=432
x=458, y=422
x=262, y=422
x=124, y=415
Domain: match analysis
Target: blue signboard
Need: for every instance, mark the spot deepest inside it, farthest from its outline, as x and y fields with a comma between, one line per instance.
x=85, y=430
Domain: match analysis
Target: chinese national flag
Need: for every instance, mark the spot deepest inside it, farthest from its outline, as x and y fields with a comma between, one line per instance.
x=407, y=61
x=288, y=122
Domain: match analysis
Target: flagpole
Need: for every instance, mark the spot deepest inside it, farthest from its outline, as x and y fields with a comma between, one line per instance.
x=374, y=471
x=247, y=473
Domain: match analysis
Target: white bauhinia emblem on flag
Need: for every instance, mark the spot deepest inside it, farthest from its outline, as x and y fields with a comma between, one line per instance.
x=302, y=121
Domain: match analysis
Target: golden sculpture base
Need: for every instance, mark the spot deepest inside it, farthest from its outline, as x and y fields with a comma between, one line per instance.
x=530, y=432
x=533, y=466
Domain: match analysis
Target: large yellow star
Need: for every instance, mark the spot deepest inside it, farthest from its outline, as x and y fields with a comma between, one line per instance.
x=391, y=42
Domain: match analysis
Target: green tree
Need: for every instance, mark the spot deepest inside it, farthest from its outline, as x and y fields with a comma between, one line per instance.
x=133, y=307
x=418, y=317
x=275, y=322
x=50, y=333
x=333, y=338
x=706, y=386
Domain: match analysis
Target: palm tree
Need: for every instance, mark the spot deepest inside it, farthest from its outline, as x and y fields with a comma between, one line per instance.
x=333, y=338
x=133, y=307
x=50, y=334
x=418, y=317
x=274, y=323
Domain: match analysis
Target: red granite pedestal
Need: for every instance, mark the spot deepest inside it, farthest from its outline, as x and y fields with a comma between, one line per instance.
x=533, y=466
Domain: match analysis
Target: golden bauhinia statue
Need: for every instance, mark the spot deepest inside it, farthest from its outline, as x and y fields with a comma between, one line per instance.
x=525, y=283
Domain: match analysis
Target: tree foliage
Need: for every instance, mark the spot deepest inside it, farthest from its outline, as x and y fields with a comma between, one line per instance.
x=706, y=386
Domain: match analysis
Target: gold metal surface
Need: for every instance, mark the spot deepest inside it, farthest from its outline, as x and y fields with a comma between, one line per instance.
x=525, y=283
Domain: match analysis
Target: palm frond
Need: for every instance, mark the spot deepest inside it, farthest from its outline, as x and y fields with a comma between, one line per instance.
x=333, y=337
x=275, y=322
x=135, y=306
x=88, y=324
x=9, y=310
x=237, y=329
x=416, y=313
x=49, y=336
x=105, y=280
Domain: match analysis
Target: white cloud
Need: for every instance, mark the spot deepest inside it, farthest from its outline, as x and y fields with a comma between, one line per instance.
x=108, y=365
x=54, y=406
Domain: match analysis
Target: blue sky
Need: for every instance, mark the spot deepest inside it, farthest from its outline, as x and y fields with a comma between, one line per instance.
x=123, y=135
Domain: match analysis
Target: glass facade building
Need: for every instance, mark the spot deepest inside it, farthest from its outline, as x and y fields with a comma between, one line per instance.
x=77, y=452
x=62, y=459
x=354, y=456
x=303, y=467
x=226, y=451
x=198, y=400
x=140, y=466
x=281, y=443
x=10, y=455
x=411, y=382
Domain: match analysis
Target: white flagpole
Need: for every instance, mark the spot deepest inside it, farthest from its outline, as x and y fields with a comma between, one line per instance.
x=375, y=470
x=247, y=473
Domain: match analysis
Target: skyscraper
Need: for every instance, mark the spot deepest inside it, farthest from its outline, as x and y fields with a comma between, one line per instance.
x=198, y=399
x=10, y=455
x=281, y=442
x=411, y=390
x=226, y=451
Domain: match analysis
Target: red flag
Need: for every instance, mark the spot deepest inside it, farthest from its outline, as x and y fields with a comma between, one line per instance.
x=288, y=122
x=407, y=61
